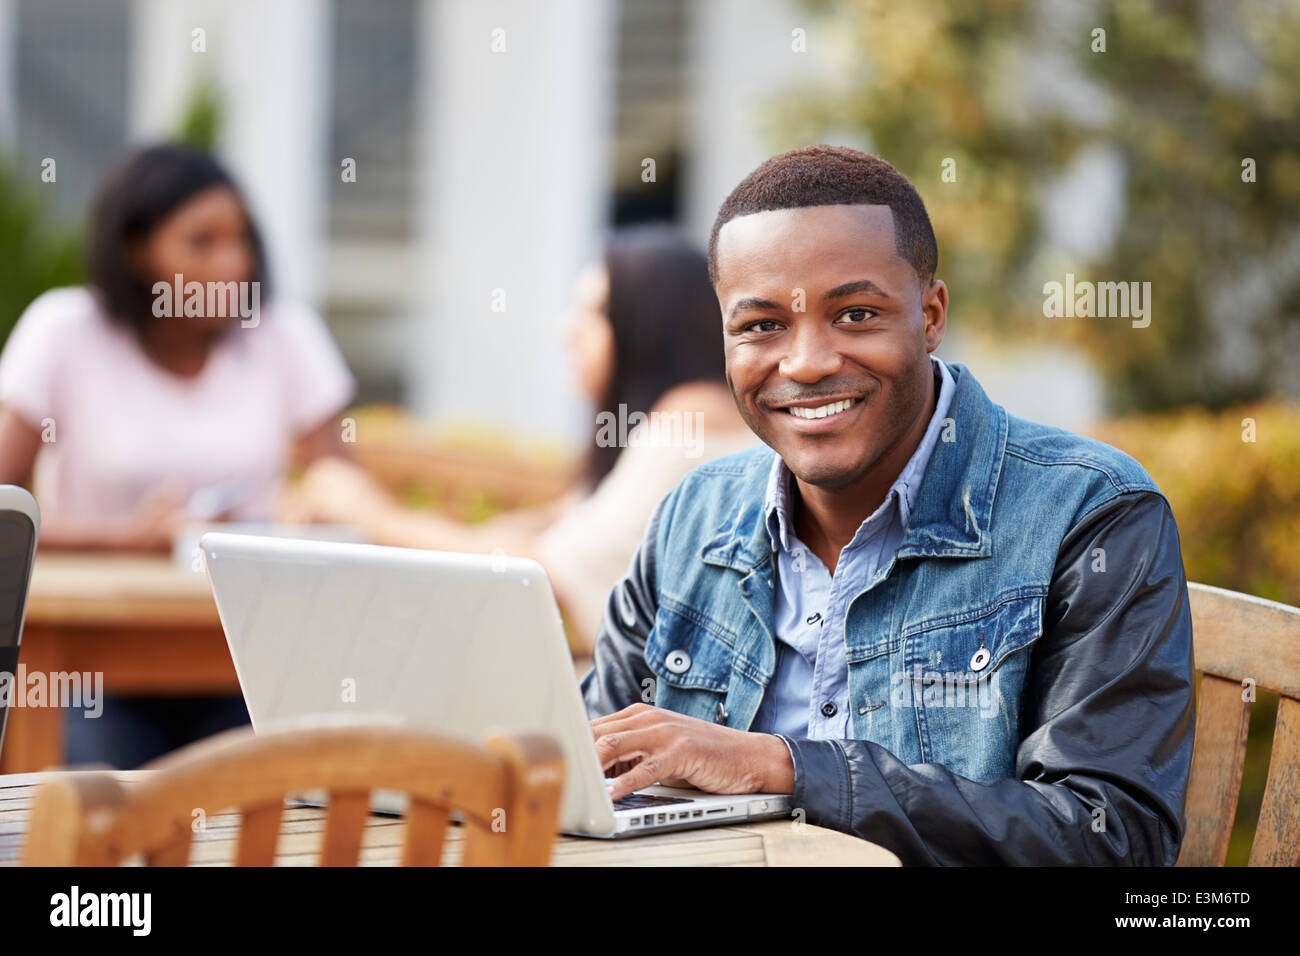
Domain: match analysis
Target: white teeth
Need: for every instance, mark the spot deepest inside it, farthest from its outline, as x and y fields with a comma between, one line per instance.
x=824, y=410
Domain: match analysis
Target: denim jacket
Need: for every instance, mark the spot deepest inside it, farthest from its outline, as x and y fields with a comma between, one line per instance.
x=1020, y=672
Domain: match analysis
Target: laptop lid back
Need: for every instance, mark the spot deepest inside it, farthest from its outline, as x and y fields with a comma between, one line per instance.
x=462, y=644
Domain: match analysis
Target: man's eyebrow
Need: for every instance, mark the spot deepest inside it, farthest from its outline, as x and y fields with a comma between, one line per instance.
x=855, y=288
x=751, y=303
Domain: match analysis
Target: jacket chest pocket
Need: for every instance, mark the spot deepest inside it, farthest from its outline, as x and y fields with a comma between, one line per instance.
x=692, y=664
x=964, y=676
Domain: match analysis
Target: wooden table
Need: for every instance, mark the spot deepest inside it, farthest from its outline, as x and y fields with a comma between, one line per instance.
x=771, y=843
x=148, y=625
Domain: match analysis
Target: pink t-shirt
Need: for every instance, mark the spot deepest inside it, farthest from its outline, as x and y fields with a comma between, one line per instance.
x=115, y=425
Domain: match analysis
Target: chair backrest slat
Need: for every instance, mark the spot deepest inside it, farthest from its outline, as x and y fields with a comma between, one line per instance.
x=1277, y=836
x=483, y=846
x=1242, y=641
x=426, y=828
x=343, y=826
x=259, y=832
x=1222, y=720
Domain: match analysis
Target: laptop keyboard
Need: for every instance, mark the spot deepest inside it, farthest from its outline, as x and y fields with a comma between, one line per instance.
x=636, y=801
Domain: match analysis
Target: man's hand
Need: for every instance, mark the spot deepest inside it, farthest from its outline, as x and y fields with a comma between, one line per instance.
x=644, y=745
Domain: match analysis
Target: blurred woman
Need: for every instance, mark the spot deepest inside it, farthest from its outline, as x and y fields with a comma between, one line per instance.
x=645, y=342
x=167, y=390
x=137, y=408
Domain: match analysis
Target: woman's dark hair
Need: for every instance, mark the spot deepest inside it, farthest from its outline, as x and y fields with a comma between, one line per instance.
x=666, y=323
x=140, y=191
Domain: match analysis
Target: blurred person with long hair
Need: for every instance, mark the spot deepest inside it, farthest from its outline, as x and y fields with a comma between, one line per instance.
x=139, y=409
x=136, y=422
x=646, y=350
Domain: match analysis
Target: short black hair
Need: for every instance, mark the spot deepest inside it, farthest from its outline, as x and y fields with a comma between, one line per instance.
x=834, y=176
x=142, y=189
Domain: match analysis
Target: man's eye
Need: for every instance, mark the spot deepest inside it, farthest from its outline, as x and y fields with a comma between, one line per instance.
x=763, y=325
x=856, y=316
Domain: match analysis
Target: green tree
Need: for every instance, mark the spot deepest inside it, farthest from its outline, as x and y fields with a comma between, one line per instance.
x=35, y=253
x=200, y=123
x=1184, y=93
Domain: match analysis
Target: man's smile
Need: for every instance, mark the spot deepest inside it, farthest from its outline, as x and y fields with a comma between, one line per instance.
x=818, y=416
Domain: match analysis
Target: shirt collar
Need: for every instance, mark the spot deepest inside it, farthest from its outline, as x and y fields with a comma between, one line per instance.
x=776, y=503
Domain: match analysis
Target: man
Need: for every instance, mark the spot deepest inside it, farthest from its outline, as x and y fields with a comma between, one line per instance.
x=959, y=634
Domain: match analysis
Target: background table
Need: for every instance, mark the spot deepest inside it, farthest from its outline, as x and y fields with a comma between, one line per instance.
x=771, y=843
x=148, y=625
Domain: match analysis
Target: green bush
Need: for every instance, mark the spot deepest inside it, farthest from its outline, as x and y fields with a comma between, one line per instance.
x=35, y=255
x=1237, y=502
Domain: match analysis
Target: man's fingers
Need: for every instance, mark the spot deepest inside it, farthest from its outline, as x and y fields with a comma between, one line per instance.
x=627, y=745
x=624, y=726
x=625, y=714
x=644, y=774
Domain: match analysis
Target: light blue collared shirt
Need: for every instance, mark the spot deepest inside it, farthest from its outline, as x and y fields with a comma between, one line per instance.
x=808, y=695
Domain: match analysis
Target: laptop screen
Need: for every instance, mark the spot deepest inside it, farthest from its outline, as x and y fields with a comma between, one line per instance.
x=17, y=545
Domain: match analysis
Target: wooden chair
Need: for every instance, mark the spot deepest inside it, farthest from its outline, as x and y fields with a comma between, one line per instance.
x=1238, y=637
x=464, y=479
x=92, y=819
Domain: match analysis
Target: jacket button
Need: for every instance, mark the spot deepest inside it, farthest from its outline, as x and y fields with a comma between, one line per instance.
x=980, y=659
x=829, y=709
x=679, y=662
x=862, y=709
x=720, y=715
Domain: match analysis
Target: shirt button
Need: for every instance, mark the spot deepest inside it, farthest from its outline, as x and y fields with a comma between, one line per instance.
x=814, y=617
x=829, y=709
x=679, y=662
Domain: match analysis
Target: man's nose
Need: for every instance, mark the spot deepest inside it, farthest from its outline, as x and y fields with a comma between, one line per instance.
x=812, y=355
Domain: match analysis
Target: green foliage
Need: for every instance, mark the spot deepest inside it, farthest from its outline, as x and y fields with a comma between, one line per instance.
x=200, y=123
x=1183, y=93
x=1237, y=502
x=34, y=254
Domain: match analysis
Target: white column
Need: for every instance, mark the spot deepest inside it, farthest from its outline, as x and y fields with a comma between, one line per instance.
x=743, y=53
x=163, y=64
x=271, y=65
x=8, y=76
x=512, y=194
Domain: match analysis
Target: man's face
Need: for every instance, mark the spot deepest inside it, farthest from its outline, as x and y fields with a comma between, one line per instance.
x=857, y=339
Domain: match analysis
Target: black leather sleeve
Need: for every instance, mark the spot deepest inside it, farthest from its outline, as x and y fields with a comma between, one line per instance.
x=1107, y=725
x=620, y=676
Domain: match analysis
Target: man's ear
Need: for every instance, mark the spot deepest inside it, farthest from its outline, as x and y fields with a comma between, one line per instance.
x=934, y=311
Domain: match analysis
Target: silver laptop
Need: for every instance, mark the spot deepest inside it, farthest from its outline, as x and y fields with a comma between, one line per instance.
x=462, y=644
